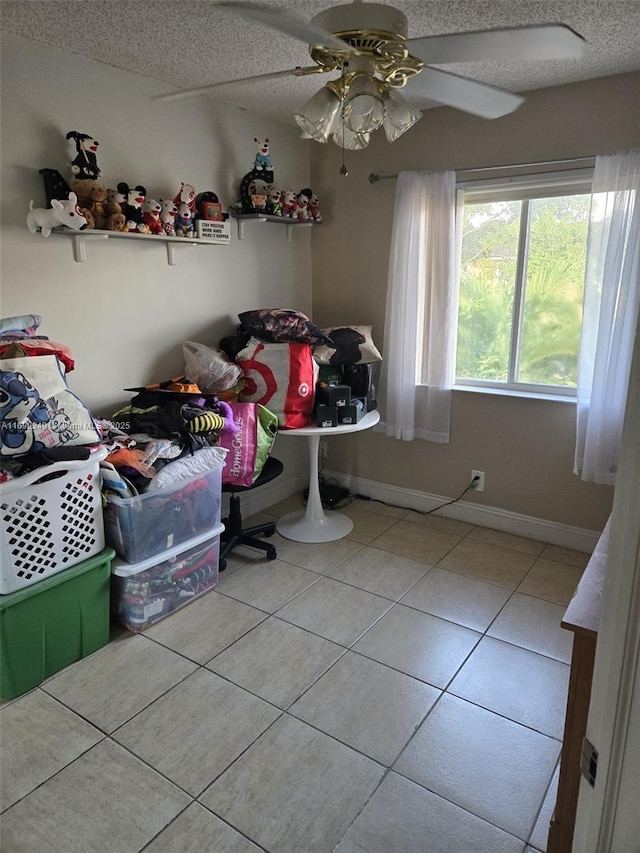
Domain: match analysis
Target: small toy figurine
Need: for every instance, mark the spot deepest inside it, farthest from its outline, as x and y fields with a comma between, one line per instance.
x=135, y=197
x=288, y=204
x=151, y=210
x=208, y=207
x=262, y=161
x=259, y=202
x=274, y=201
x=62, y=212
x=187, y=195
x=116, y=197
x=302, y=206
x=92, y=201
x=314, y=208
x=168, y=216
x=184, y=221
x=85, y=164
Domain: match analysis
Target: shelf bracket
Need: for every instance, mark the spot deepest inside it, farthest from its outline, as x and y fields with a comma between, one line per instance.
x=292, y=225
x=241, y=224
x=80, y=245
x=171, y=258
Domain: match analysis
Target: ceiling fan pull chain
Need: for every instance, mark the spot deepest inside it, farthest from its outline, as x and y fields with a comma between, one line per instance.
x=343, y=169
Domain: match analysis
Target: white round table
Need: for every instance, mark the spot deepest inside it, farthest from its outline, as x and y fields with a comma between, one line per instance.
x=314, y=525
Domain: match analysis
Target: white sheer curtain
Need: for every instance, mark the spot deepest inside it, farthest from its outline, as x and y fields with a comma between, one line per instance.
x=611, y=299
x=418, y=369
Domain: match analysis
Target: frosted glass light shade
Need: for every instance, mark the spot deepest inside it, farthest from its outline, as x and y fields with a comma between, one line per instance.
x=363, y=110
x=399, y=115
x=318, y=114
x=344, y=137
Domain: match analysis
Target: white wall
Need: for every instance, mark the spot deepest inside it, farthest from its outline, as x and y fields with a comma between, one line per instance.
x=125, y=312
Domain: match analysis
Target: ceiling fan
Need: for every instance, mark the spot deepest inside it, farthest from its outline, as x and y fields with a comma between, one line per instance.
x=367, y=44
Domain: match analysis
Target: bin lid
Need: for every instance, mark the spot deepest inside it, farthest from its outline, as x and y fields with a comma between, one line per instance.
x=124, y=570
x=97, y=561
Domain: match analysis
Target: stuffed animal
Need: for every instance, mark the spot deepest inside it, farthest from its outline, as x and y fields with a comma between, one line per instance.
x=187, y=195
x=62, y=212
x=289, y=200
x=184, y=221
x=151, y=210
x=84, y=164
x=93, y=201
x=274, y=201
x=168, y=216
x=262, y=161
x=116, y=197
x=314, y=208
x=132, y=210
x=302, y=206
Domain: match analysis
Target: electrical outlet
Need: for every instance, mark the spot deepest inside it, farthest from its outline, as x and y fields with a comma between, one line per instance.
x=478, y=486
x=323, y=450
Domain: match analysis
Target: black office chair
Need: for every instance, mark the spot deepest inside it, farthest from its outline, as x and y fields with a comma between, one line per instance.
x=234, y=534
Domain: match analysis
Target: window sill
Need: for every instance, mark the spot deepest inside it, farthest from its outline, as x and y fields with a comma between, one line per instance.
x=510, y=392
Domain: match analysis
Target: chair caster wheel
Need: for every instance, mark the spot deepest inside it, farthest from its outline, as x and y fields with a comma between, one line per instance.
x=271, y=554
x=222, y=565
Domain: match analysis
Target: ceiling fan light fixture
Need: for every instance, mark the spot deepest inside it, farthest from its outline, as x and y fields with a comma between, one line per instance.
x=348, y=140
x=318, y=115
x=399, y=115
x=363, y=110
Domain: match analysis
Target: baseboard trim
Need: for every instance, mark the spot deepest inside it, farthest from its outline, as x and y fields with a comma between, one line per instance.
x=540, y=529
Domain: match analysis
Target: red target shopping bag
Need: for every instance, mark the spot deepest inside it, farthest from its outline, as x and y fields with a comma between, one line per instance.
x=281, y=377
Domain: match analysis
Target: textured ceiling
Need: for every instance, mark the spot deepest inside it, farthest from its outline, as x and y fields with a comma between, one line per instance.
x=190, y=44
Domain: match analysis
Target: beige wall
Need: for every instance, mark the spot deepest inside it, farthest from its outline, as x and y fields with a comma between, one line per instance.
x=125, y=312
x=524, y=446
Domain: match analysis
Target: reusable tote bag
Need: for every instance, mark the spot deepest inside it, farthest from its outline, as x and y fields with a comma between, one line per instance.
x=250, y=445
x=282, y=377
x=37, y=410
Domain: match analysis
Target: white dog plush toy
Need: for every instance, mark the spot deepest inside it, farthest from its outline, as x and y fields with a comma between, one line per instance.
x=65, y=212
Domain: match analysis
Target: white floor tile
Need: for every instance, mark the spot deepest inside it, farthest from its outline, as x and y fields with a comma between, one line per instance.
x=266, y=715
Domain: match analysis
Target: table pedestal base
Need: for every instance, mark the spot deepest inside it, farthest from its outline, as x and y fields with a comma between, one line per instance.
x=327, y=528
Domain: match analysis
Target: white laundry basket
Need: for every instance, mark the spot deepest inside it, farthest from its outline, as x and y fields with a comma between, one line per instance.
x=51, y=519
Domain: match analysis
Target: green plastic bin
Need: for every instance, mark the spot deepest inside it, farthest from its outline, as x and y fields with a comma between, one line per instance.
x=53, y=623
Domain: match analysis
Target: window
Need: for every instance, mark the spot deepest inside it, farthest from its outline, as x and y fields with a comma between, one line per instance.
x=521, y=278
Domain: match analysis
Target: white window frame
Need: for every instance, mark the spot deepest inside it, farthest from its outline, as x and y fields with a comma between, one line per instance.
x=521, y=188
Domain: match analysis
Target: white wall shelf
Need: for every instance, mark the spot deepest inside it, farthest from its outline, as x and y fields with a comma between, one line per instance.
x=243, y=218
x=81, y=238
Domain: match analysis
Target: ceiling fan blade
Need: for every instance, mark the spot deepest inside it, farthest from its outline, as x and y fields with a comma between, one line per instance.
x=549, y=41
x=205, y=90
x=284, y=22
x=463, y=94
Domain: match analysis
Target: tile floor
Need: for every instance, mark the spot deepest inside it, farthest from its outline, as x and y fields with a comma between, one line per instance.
x=401, y=690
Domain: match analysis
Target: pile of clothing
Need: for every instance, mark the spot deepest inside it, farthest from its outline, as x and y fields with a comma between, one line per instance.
x=161, y=478
x=168, y=432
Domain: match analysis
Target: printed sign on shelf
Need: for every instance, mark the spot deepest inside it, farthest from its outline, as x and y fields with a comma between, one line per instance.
x=220, y=232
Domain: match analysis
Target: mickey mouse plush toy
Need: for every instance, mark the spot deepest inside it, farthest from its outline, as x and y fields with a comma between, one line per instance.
x=85, y=164
x=132, y=207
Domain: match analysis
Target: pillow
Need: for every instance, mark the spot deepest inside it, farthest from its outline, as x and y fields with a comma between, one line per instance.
x=282, y=325
x=349, y=345
x=37, y=410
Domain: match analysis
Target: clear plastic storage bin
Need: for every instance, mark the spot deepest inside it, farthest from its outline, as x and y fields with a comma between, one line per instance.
x=146, y=525
x=145, y=592
x=51, y=520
